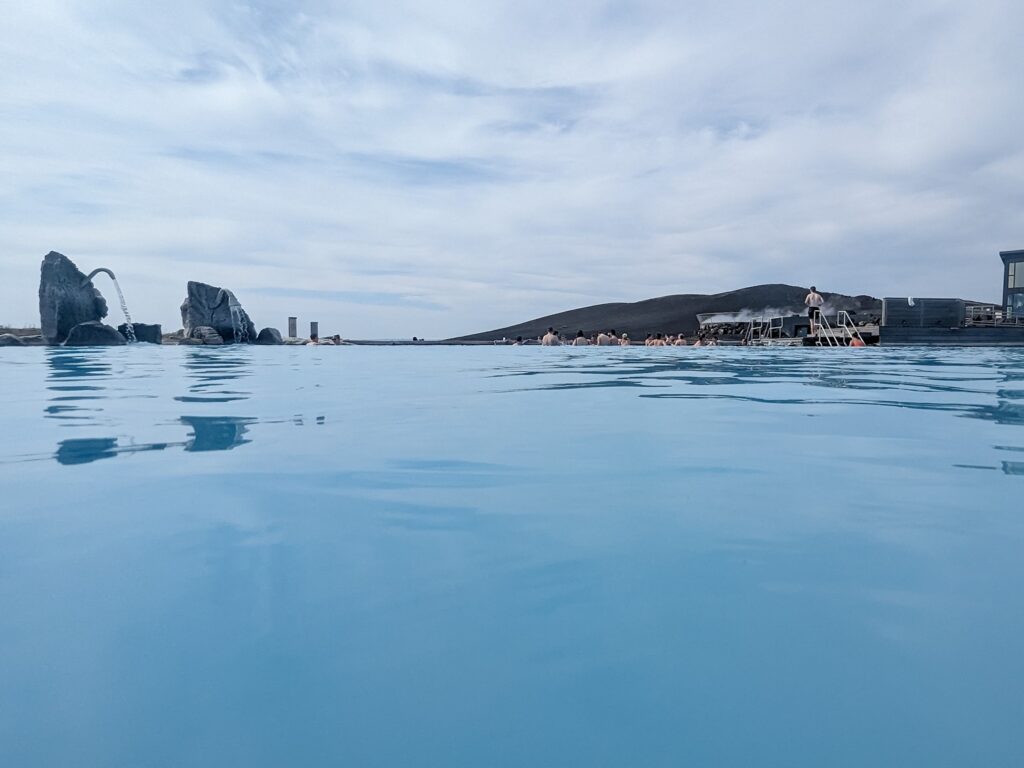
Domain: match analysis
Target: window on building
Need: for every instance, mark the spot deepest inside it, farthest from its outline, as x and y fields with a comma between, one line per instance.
x=1016, y=308
x=1015, y=274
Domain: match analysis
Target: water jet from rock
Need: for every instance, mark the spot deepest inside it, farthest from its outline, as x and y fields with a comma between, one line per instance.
x=129, y=326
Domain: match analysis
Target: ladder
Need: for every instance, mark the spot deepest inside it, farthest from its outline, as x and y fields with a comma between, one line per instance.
x=838, y=335
x=767, y=333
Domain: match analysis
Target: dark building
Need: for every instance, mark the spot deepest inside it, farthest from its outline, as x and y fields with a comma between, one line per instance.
x=1013, y=283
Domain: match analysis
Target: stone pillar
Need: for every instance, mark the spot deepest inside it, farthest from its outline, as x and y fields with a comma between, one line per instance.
x=314, y=329
x=293, y=327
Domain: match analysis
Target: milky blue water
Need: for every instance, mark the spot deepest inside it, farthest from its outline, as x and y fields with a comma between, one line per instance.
x=511, y=557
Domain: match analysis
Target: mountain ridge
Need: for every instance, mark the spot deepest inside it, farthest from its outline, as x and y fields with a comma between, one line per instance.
x=676, y=313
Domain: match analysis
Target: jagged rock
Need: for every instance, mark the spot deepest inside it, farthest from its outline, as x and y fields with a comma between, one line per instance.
x=66, y=298
x=94, y=334
x=208, y=305
x=207, y=335
x=269, y=336
x=10, y=340
x=150, y=334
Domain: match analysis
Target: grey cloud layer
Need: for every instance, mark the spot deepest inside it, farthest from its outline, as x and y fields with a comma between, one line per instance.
x=399, y=169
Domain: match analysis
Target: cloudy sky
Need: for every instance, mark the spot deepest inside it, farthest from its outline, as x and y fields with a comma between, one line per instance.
x=406, y=168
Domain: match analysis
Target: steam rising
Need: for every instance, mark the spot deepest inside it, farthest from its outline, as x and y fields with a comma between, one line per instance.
x=746, y=315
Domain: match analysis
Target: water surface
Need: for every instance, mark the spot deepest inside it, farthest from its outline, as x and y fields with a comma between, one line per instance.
x=511, y=556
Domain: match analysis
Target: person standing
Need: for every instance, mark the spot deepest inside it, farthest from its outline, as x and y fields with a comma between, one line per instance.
x=813, y=301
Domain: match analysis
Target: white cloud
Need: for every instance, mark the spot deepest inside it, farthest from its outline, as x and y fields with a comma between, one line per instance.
x=504, y=160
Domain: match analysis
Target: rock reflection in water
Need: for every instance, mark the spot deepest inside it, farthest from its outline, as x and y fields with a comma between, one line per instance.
x=75, y=377
x=216, y=433
x=215, y=375
x=209, y=433
x=85, y=450
x=89, y=449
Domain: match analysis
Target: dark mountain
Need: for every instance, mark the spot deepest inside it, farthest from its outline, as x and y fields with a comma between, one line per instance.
x=674, y=314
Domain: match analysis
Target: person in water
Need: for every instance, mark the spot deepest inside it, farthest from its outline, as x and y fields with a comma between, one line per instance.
x=813, y=301
x=580, y=340
x=314, y=340
x=624, y=340
x=550, y=339
x=604, y=340
x=857, y=341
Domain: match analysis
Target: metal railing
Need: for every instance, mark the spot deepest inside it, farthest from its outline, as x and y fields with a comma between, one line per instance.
x=768, y=332
x=989, y=316
x=838, y=335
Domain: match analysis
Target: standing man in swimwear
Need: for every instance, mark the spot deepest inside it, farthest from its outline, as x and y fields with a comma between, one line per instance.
x=813, y=302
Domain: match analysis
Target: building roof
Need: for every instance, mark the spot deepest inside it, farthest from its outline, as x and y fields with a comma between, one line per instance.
x=1008, y=256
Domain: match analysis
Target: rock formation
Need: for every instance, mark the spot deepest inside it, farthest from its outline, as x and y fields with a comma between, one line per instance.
x=269, y=336
x=94, y=334
x=217, y=308
x=204, y=334
x=66, y=298
x=143, y=332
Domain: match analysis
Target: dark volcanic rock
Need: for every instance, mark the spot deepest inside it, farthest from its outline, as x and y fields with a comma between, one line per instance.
x=10, y=340
x=208, y=305
x=675, y=314
x=269, y=336
x=66, y=298
x=206, y=335
x=151, y=334
x=94, y=334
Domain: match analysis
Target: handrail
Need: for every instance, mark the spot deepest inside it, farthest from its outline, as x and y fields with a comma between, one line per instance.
x=844, y=320
x=767, y=332
x=839, y=334
x=825, y=331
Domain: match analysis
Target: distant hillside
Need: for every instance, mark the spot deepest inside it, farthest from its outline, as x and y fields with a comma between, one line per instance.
x=674, y=314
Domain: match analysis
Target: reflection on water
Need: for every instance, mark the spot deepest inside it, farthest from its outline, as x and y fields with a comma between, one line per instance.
x=94, y=388
x=91, y=387
x=849, y=377
x=216, y=374
x=83, y=385
x=78, y=379
x=86, y=449
x=216, y=433
x=89, y=449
